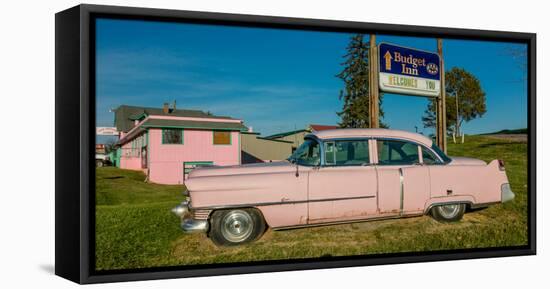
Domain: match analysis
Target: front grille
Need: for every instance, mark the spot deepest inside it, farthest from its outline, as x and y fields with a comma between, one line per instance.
x=201, y=214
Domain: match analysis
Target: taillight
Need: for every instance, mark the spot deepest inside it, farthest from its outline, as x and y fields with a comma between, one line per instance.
x=501, y=165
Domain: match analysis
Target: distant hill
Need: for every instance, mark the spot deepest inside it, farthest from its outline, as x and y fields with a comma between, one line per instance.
x=509, y=131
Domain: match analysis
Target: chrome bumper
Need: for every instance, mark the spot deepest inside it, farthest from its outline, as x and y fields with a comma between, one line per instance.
x=188, y=224
x=506, y=193
x=192, y=225
x=182, y=210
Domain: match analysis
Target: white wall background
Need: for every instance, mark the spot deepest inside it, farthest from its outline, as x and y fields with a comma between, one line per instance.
x=27, y=143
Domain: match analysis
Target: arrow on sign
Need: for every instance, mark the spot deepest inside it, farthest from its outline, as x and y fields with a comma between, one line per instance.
x=388, y=58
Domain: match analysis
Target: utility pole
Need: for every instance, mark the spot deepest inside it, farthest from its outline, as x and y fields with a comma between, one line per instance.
x=374, y=109
x=441, y=110
x=457, y=116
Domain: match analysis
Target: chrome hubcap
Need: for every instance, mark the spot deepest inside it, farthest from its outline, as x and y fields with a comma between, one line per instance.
x=449, y=211
x=237, y=226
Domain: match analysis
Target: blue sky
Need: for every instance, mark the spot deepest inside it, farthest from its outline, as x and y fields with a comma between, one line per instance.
x=278, y=80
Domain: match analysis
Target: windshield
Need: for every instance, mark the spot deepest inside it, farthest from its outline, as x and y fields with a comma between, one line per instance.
x=307, y=154
x=443, y=156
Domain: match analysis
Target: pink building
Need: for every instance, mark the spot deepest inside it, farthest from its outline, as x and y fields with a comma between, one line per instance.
x=167, y=143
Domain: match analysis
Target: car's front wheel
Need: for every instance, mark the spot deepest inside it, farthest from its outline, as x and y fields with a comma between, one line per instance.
x=236, y=227
x=449, y=212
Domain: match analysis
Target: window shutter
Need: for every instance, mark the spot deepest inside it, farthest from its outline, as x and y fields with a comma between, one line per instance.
x=222, y=137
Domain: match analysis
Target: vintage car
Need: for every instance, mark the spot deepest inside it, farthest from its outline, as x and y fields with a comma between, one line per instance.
x=339, y=176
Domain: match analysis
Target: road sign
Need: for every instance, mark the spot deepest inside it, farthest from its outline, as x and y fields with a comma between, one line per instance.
x=106, y=131
x=408, y=71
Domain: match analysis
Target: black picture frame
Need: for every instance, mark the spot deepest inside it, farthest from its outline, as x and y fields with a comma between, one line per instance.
x=75, y=138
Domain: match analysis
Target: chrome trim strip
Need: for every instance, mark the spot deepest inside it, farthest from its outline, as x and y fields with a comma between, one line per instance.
x=377, y=189
x=201, y=214
x=345, y=222
x=401, y=191
x=279, y=203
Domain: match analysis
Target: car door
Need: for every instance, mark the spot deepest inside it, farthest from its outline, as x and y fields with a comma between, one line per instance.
x=403, y=180
x=344, y=186
x=287, y=186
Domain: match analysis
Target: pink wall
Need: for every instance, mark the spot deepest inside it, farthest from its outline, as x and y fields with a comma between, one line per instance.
x=166, y=160
x=130, y=157
x=130, y=163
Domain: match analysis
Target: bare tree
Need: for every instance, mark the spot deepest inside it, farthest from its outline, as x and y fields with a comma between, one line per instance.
x=519, y=55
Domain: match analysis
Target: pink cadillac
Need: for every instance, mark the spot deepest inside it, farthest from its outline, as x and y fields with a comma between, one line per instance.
x=339, y=176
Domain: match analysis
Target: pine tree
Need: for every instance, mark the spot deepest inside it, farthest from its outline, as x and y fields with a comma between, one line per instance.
x=355, y=111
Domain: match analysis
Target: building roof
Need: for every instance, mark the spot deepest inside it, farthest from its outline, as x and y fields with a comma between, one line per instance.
x=310, y=128
x=372, y=132
x=192, y=124
x=183, y=124
x=283, y=134
x=125, y=115
x=320, y=127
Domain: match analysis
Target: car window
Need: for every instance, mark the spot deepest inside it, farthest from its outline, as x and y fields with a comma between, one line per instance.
x=307, y=154
x=443, y=156
x=428, y=157
x=396, y=152
x=347, y=152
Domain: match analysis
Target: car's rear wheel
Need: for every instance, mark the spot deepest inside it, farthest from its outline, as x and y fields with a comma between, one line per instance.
x=236, y=227
x=98, y=163
x=449, y=212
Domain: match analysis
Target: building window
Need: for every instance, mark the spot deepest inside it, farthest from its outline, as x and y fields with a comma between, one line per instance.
x=172, y=136
x=222, y=137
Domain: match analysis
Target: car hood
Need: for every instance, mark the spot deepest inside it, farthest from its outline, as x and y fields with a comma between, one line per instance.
x=466, y=161
x=257, y=168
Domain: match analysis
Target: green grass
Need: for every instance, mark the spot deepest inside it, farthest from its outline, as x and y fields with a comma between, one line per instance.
x=133, y=220
x=124, y=187
x=135, y=228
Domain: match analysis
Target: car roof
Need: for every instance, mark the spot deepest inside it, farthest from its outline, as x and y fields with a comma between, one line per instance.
x=372, y=132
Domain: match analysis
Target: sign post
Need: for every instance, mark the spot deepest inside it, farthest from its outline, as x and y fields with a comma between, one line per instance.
x=374, y=110
x=441, y=109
